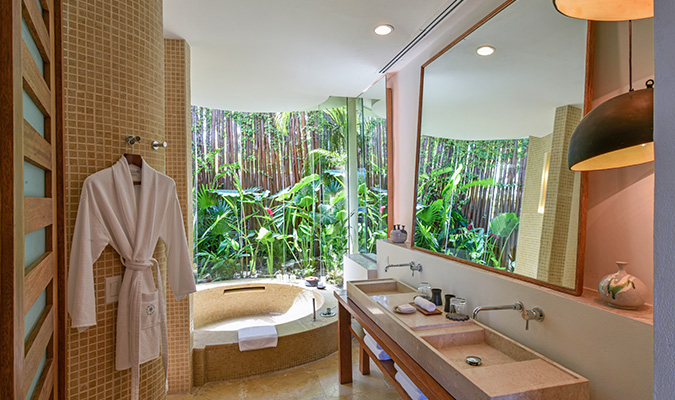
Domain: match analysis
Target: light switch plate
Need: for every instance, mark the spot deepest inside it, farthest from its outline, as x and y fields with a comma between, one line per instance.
x=112, y=288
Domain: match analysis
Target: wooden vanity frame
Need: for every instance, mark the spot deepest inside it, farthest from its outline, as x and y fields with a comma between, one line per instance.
x=348, y=309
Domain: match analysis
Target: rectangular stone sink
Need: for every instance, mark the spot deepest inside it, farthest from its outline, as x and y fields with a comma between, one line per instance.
x=378, y=287
x=509, y=370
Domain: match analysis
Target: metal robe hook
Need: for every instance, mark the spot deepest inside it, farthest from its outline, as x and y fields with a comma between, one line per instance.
x=132, y=140
x=156, y=145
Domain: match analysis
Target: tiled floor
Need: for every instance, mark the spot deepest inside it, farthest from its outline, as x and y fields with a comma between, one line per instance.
x=313, y=381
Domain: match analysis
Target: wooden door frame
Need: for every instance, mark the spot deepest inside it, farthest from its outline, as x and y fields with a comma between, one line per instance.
x=20, y=286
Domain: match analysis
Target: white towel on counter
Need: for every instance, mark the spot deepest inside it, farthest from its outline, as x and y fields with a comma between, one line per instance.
x=257, y=337
x=408, y=385
x=375, y=348
x=425, y=304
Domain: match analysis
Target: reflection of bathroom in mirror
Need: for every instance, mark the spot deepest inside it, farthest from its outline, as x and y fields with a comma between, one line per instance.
x=493, y=187
x=373, y=182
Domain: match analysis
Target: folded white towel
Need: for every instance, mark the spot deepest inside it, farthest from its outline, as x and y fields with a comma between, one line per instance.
x=371, y=340
x=375, y=348
x=257, y=337
x=408, y=386
x=425, y=304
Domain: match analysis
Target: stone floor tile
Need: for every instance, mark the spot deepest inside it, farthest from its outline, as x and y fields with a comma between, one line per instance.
x=314, y=381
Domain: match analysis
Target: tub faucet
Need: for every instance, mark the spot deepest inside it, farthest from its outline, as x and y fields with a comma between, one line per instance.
x=536, y=313
x=412, y=264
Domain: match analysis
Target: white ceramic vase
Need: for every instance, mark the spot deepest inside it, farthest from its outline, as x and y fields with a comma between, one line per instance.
x=622, y=289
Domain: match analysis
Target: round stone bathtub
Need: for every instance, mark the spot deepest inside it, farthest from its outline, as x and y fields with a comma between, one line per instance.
x=221, y=309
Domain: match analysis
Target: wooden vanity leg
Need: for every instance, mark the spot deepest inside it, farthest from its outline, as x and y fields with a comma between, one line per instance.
x=364, y=361
x=344, y=344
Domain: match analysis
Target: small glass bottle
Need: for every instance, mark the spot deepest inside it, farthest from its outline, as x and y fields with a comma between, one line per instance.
x=424, y=290
x=459, y=304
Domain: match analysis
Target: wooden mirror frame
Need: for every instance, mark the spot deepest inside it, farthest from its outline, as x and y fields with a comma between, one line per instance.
x=583, y=201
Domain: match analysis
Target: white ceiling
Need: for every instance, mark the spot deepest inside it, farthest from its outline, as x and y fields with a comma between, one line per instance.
x=272, y=55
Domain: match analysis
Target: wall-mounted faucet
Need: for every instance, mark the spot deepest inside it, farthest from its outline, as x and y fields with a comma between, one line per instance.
x=412, y=264
x=536, y=313
x=518, y=306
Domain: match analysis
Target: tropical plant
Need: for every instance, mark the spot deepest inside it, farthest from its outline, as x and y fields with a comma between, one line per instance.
x=441, y=227
x=246, y=231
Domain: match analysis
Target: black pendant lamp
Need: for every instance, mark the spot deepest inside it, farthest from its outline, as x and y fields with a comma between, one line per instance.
x=617, y=133
x=606, y=10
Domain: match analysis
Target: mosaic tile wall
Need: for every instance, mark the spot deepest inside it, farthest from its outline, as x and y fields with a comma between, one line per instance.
x=547, y=242
x=113, y=87
x=178, y=166
x=529, y=232
x=553, y=255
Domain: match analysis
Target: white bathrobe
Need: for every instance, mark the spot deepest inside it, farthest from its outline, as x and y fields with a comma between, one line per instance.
x=131, y=218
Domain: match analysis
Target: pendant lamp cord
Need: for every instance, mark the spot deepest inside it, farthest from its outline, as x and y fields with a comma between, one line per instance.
x=630, y=55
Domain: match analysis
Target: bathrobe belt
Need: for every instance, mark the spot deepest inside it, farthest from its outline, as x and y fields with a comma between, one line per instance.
x=136, y=303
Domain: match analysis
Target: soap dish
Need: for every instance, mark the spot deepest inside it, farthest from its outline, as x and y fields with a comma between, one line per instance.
x=408, y=311
x=456, y=317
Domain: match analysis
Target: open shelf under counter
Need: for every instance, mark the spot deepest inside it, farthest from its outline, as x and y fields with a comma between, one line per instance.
x=347, y=328
x=386, y=366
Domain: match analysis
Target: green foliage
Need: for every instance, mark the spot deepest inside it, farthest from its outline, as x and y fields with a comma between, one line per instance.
x=301, y=229
x=441, y=227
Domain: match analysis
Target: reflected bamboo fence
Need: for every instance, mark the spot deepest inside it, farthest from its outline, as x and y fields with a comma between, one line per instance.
x=503, y=161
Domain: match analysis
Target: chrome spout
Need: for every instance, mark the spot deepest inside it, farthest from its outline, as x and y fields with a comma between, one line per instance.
x=535, y=314
x=518, y=306
x=386, y=269
x=314, y=308
x=412, y=265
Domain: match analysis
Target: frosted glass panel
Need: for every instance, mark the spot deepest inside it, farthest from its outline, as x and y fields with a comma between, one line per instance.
x=34, y=186
x=37, y=376
x=33, y=181
x=34, y=313
x=32, y=48
x=33, y=115
x=34, y=246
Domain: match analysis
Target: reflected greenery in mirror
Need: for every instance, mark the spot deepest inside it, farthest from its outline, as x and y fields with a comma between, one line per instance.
x=493, y=188
x=469, y=198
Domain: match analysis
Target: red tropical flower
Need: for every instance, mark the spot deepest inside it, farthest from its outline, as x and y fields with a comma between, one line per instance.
x=382, y=209
x=269, y=211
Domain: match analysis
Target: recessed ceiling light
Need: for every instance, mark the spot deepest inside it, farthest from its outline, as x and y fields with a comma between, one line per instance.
x=383, y=30
x=485, y=50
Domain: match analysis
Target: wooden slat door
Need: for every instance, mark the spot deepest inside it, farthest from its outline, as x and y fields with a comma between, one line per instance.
x=32, y=274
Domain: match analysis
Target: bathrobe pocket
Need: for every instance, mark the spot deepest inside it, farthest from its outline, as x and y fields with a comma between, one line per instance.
x=150, y=326
x=149, y=310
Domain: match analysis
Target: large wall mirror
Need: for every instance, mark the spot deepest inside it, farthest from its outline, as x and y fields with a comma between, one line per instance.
x=493, y=187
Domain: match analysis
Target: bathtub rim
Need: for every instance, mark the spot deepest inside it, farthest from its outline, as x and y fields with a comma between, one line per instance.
x=201, y=339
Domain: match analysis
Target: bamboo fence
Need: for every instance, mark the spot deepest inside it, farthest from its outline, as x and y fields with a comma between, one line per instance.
x=274, y=156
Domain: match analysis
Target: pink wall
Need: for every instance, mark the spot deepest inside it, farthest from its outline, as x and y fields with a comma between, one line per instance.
x=621, y=201
x=620, y=224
